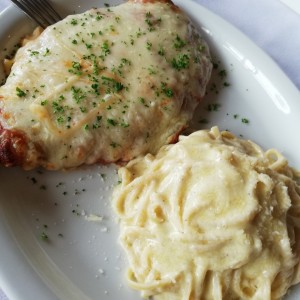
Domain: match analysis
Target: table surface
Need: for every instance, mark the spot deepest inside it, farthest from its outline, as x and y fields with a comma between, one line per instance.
x=272, y=25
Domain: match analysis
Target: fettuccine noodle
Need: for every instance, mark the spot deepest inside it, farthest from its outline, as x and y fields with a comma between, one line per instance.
x=211, y=217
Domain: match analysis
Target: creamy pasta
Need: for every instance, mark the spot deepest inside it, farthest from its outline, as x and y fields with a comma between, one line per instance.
x=211, y=217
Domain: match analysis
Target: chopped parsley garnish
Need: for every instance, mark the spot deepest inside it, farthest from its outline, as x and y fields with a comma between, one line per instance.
x=77, y=94
x=20, y=93
x=74, y=22
x=97, y=123
x=88, y=46
x=149, y=45
x=44, y=236
x=47, y=52
x=57, y=108
x=44, y=102
x=125, y=61
x=33, y=53
x=99, y=17
x=95, y=87
x=114, y=145
x=151, y=22
x=202, y=48
x=166, y=90
x=105, y=48
x=179, y=43
x=213, y=107
x=112, y=122
x=76, y=65
x=124, y=125
x=222, y=73
x=161, y=51
x=112, y=83
x=182, y=62
x=60, y=120
x=76, y=68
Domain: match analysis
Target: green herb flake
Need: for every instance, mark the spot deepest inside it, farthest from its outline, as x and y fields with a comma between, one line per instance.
x=245, y=121
x=57, y=108
x=88, y=46
x=213, y=107
x=112, y=122
x=44, y=236
x=124, y=125
x=166, y=90
x=114, y=145
x=105, y=48
x=83, y=109
x=77, y=94
x=222, y=73
x=201, y=48
x=74, y=22
x=99, y=17
x=95, y=87
x=151, y=71
x=44, y=102
x=161, y=51
x=97, y=123
x=179, y=43
x=182, y=62
x=47, y=52
x=34, y=53
x=76, y=68
x=149, y=45
x=20, y=93
x=112, y=83
x=60, y=120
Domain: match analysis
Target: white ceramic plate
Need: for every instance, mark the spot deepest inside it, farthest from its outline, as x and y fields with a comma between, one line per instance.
x=82, y=259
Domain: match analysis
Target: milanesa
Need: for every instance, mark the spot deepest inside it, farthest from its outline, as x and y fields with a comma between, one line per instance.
x=106, y=85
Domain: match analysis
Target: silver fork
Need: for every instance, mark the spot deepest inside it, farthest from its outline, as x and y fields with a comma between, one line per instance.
x=40, y=11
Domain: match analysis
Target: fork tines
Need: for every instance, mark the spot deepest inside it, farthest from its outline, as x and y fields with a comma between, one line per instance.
x=40, y=11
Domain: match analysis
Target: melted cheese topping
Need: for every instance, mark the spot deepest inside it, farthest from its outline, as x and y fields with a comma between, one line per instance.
x=212, y=217
x=106, y=85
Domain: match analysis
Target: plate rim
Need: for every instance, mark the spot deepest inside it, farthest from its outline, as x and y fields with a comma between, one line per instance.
x=15, y=254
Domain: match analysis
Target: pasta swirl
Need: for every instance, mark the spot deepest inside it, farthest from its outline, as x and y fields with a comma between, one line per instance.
x=211, y=217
